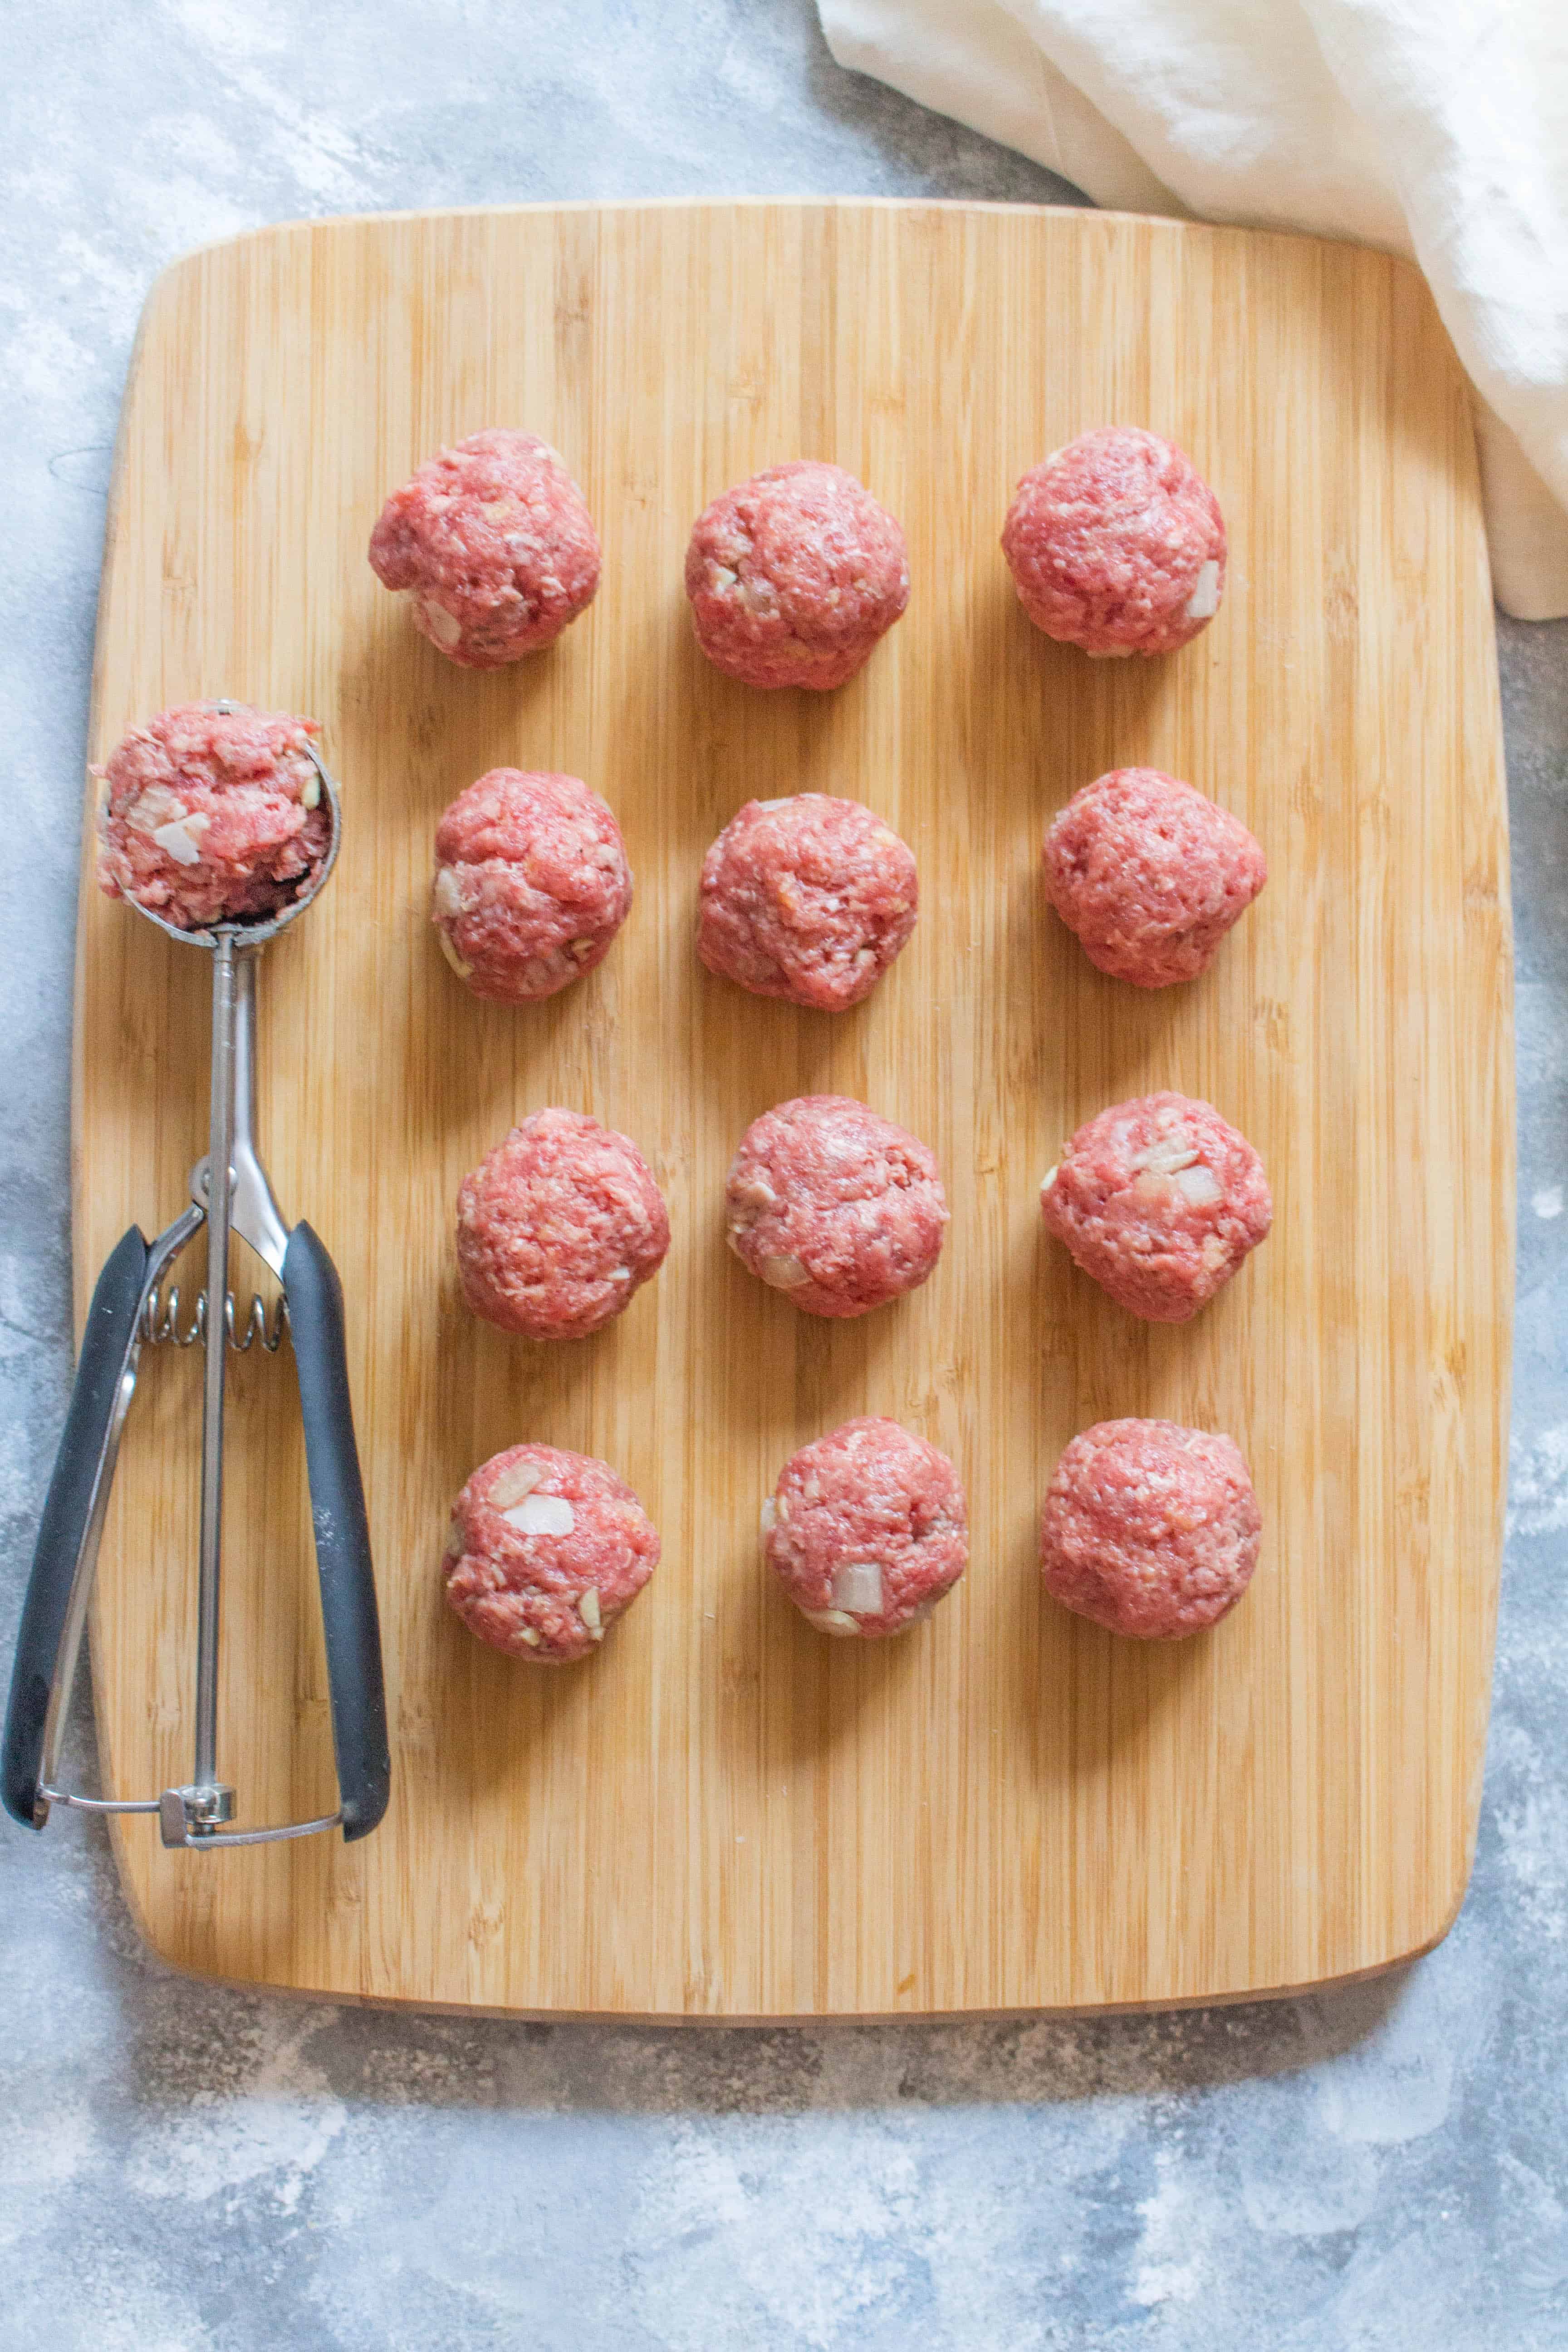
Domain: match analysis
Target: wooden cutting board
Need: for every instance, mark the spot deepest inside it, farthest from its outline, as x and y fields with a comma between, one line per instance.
x=724, y=1815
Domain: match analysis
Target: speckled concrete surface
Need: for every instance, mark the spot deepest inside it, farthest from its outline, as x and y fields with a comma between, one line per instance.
x=1384, y=2171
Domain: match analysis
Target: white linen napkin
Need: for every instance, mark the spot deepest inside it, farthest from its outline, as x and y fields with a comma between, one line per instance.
x=1432, y=128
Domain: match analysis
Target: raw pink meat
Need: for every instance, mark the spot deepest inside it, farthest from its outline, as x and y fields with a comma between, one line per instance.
x=793, y=576
x=1150, y=874
x=1160, y=1201
x=809, y=899
x=213, y=816
x=539, y=1582
x=532, y=884
x=557, y=1226
x=841, y=1210
x=1150, y=1529
x=493, y=545
x=867, y=1529
x=1117, y=544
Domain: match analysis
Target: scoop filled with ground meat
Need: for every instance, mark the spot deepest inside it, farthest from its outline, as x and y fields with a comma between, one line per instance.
x=212, y=813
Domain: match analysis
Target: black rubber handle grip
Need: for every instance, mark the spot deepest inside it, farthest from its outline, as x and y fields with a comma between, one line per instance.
x=110, y=1325
x=349, y=1614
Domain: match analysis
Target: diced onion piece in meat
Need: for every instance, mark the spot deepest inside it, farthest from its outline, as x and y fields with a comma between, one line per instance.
x=453, y=958
x=1200, y=1185
x=443, y=627
x=1203, y=602
x=177, y=839
x=542, y=1515
x=513, y=1485
x=857, y=1588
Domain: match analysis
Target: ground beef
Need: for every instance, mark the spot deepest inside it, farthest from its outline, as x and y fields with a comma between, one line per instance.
x=493, y=546
x=793, y=576
x=212, y=815
x=546, y=1549
x=1150, y=874
x=809, y=899
x=867, y=1528
x=841, y=1210
x=532, y=884
x=1150, y=1529
x=1117, y=544
x=557, y=1226
x=1160, y=1201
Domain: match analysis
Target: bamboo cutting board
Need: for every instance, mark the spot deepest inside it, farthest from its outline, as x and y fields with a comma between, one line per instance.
x=724, y=1815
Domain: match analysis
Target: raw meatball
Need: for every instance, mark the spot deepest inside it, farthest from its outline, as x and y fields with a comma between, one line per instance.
x=1160, y=1201
x=532, y=884
x=808, y=899
x=839, y=1209
x=1150, y=874
x=1150, y=1529
x=214, y=814
x=546, y=1549
x=1117, y=544
x=867, y=1528
x=557, y=1226
x=494, y=546
x=793, y=576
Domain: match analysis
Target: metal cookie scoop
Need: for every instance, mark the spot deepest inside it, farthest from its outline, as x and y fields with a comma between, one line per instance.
x=128, y=1310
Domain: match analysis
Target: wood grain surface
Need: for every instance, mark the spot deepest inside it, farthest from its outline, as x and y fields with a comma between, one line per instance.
x=723, y=1814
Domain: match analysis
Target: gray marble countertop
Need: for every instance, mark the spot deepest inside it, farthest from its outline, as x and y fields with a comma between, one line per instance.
x=182, y=2167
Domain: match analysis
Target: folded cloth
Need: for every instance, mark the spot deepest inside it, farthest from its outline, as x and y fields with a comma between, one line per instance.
x=1432, y=128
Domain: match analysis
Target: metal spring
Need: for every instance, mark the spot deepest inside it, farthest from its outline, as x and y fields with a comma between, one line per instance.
x=160, y=1322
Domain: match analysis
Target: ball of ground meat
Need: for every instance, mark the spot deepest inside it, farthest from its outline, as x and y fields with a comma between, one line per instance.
x=1150, y=874
x=808, y=899
x=1150, y=1529
x=867, y=1528
x=213, y=814
x=1160, y=1200
x=1117, y=544
x=557, y=1226
x=841, y=1210
x=493, y=546
x=532, y=884
x=546, y=1549
x=793, y=576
